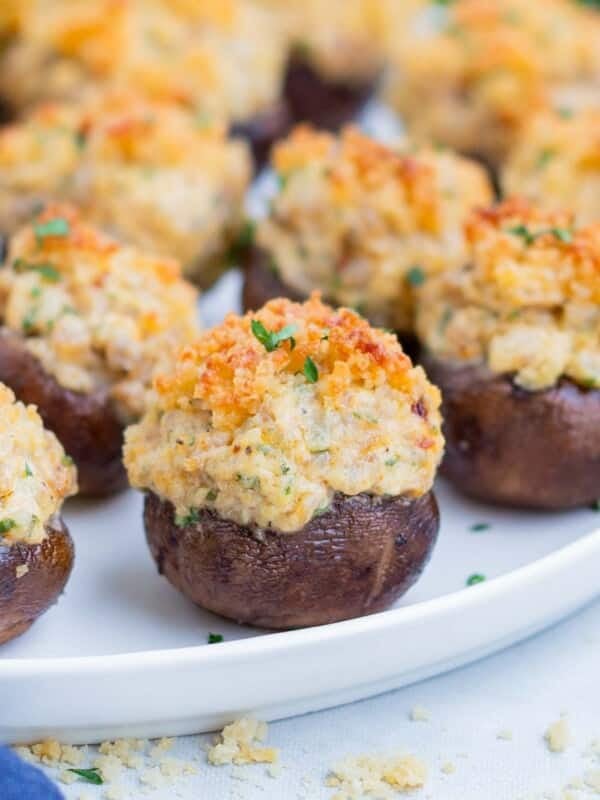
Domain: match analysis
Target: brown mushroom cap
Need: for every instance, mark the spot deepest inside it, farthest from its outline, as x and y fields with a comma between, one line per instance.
x=324, y=103
x=23, y=599
x=356, y=558
x=86, y=424
x=513, y=447
x=263, y=131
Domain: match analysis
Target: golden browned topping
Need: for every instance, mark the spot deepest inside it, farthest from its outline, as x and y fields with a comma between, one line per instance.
x=97, y=314
x=471, y=77
x=527, y=303
x=366, y=223
x=225, y=59
x=266, y=416
x=154, y=174
x=35, y=474
x=556, y=163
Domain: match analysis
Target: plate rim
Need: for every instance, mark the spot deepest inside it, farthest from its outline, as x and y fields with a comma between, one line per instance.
x=541, y=568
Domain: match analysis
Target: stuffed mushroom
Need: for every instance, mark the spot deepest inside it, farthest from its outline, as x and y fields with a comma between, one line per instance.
x=224, y=59
x=36, y=551
x=469, y=75
x=365, y=224
x=288, y=462
x=85, y=322
x=513, y=342
x=145, y=171
x=556, y=163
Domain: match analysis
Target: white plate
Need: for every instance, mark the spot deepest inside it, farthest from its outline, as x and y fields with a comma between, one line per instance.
x=123, y=654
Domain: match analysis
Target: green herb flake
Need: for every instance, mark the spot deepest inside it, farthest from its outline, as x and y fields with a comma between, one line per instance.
x=28, y=322
x=28, y=471
x=47, y=271
x=565, y=113
x=91, y=775
x=212, y=495
x=479, y=527
x=191, y=518
x=67, y=461
x=475, y=578
x=7, y=525
x=311, y=373
x=546, y=155
x=415, y=276
x=271, y=340
x=563, y=235
x=54, y=227
x=524, y=233
x=391, y=462
x=214, y=638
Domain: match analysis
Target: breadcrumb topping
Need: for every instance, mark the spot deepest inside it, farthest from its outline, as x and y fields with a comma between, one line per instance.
x=556, y=163
x=365, y=222
x=97, y=314
x=473, y=80
x=222, y=58
x=527, y=303
x=152, y=173
x=35, y=474
x=265, y=431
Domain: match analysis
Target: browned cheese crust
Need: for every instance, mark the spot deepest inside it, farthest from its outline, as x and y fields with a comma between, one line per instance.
x=356, y=558
x=515, y=447
x=24, y=597
x=86, y=424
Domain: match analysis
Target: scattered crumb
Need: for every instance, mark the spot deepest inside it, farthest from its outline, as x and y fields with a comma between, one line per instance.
x=110, y=767
x=274, y=770
x=235, y=745
x=378, y=777
x=592, y=779
x=558, y=736
x=505, y=735
x=114, y=793
x=85, y=796
x=47, y=751
x=67, y=777
x=448, y=768
x=21, y=570
x=152, y=777
x=419, y=714
x=176, y=767
x=161, y=747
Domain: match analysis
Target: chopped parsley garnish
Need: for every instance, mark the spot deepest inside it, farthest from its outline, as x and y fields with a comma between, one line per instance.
x=246, y=235
x=546, y=155
x=565, y=113
x=28, y=322
x=212, y=495
x=67, y=461
x=191, y=518
x=251, y=482
x=91, y=775
x=271, y=340
x=214, y=638
x=311, y=373
x=7, y=525
x=478, y=527
x=475, y=578
x=391, y=462
x=47, y=271
x=28, y=472
x=54, y=227
x=529, y=237
x=415, y=276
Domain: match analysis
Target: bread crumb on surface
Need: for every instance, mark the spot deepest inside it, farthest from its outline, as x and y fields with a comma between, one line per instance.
x=114, y=793
x=448, y=768
x=161, y=747
x=419, y=714
x=152, y=777
x=21, y=570
x=236, y=744
x=505, y=735
x=558, y=736
x=592, y=780
x=67, y=777
x=375, y=776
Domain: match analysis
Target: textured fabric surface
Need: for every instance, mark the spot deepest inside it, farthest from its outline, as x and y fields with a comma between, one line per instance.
x=517, y=693
x=20, y=781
